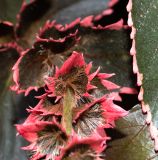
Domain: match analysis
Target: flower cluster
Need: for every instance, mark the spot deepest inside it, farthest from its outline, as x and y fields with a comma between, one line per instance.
x=69, y=121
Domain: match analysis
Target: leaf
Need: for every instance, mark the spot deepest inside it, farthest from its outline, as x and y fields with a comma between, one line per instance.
x=119, y=11
x=135, y=142
x=145, y=57
x=9, y=10
x=29, y=16
x=38, y=62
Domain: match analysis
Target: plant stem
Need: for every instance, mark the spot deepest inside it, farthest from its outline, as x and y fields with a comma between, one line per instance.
x=68, y=104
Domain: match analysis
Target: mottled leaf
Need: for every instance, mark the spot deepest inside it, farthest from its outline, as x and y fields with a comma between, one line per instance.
x=145, y=57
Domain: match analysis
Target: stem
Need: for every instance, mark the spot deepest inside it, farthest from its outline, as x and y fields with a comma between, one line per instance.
x=68, y=104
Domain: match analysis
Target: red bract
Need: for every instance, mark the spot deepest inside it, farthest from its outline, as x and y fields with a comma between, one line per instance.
x=87, y=116
x=100, y=113
x=47, y=106
x=80, y=149
x=72, y=82
x=75, y=74
x=47, y=138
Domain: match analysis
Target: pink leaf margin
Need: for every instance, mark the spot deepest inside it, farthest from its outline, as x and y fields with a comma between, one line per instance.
x=97, y=144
